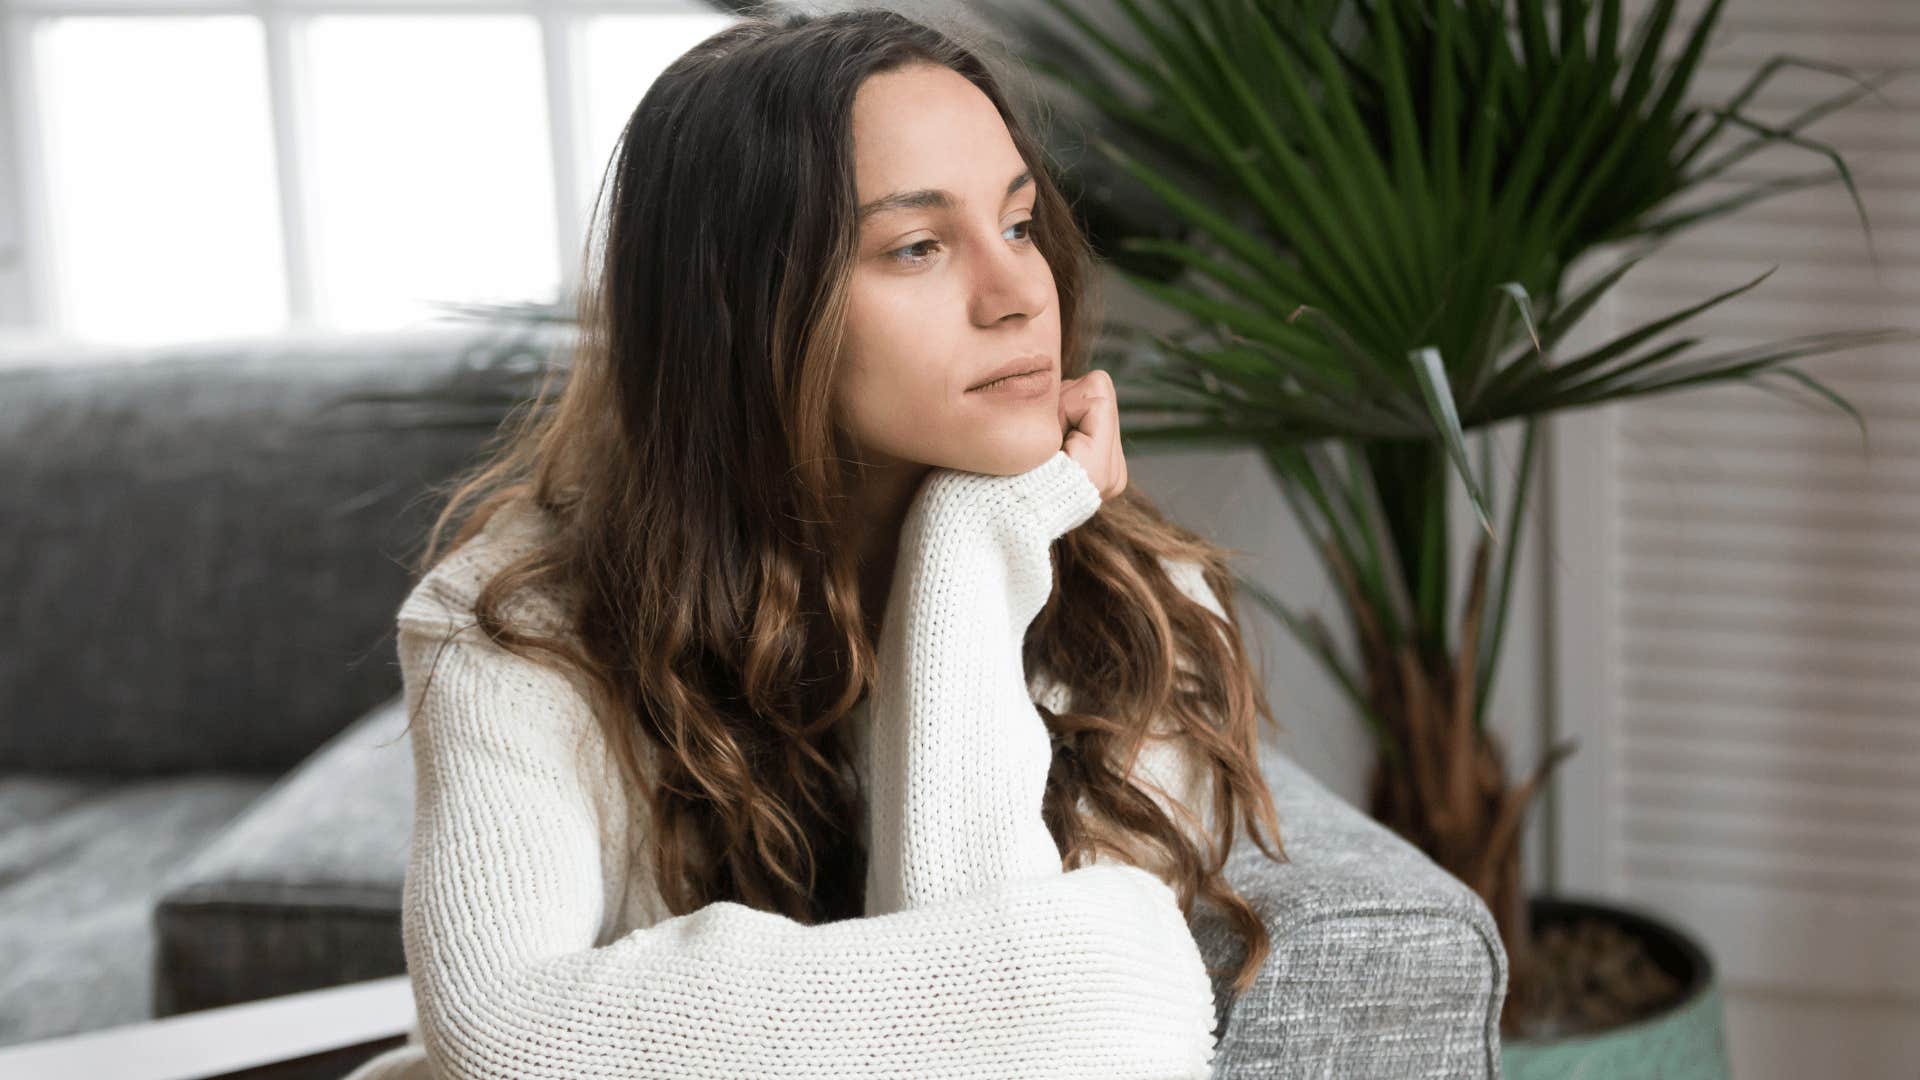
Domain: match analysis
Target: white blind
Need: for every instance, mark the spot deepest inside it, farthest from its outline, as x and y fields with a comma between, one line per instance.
x=1765, y=625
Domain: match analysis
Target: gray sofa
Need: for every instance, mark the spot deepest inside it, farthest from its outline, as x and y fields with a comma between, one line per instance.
x=205, y=789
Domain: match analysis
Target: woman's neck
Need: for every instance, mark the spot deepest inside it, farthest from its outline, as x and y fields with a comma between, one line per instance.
x=879, y=506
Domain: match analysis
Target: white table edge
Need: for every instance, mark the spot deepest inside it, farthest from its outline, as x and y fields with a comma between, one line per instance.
x=209, y=1042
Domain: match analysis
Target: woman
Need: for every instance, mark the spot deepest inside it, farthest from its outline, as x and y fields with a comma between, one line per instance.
x=728, y=760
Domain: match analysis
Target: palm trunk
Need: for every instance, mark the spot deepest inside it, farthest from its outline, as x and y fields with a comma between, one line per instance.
x=1452, y=799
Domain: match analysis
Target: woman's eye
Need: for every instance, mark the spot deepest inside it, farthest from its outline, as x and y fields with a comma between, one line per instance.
x=901, y=254
x=898, y=257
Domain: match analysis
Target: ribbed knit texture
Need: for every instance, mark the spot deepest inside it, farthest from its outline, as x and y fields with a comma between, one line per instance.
x=535, y=939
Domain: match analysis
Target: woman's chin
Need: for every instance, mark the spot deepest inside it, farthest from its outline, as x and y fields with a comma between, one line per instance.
x=1012, y=456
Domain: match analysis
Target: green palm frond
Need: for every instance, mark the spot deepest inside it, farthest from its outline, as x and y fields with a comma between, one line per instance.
x=1372, y=207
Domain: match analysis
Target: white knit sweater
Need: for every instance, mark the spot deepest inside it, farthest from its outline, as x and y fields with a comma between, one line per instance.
x=536, y=941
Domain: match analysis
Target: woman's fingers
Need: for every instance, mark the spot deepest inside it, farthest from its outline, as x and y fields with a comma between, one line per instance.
x=1090, y=423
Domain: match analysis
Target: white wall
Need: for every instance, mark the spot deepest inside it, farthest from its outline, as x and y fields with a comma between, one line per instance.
x=1746, y=612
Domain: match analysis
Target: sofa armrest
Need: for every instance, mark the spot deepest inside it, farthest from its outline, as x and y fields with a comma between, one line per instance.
x=1383, y=964
x=301, y=890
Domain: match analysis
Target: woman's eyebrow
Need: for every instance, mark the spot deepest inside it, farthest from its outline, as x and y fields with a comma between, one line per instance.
x=930, y=198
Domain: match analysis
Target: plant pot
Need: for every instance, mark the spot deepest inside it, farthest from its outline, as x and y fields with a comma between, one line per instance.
x=1682, y=1038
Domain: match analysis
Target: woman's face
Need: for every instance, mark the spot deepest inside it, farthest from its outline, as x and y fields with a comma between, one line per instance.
x=948, y=285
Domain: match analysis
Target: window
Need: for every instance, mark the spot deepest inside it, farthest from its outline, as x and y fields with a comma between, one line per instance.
x=227, y=167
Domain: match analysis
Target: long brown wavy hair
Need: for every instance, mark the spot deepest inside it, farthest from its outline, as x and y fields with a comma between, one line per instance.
x=696, y=478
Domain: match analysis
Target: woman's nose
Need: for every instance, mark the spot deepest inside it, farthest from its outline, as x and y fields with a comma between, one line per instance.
x=1010, y=281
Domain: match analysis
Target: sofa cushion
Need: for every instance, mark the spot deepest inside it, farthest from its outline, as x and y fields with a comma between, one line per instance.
x=302, y=890
x=81, y=861
x=206, y=545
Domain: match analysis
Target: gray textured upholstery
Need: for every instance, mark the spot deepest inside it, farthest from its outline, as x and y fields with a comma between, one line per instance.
x=81, y=859
x=1384, y=965
x=203, y=561
x=204, y=551
x=303, y=890
x=201, y=551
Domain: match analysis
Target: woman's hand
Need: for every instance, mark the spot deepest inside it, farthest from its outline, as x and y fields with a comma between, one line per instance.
x=1090, y=429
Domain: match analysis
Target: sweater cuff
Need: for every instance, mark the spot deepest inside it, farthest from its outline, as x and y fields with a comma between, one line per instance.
x=1047, y=500
x=1057, y=493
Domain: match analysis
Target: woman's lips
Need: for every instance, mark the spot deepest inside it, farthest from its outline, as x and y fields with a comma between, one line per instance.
x=1031, y=384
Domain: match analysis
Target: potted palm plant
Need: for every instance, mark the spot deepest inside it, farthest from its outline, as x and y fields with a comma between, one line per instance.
x=1369, y=211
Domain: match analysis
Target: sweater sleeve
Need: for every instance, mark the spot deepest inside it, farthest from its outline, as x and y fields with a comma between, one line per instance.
x=957, y=754
x=1091, y=973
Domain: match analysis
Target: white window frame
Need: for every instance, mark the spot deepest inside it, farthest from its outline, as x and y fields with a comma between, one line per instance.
x=27, y=291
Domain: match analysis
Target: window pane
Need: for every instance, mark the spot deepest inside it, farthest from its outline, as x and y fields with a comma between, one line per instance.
x=623, y=55
x=432, y=176
x=164, y=216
